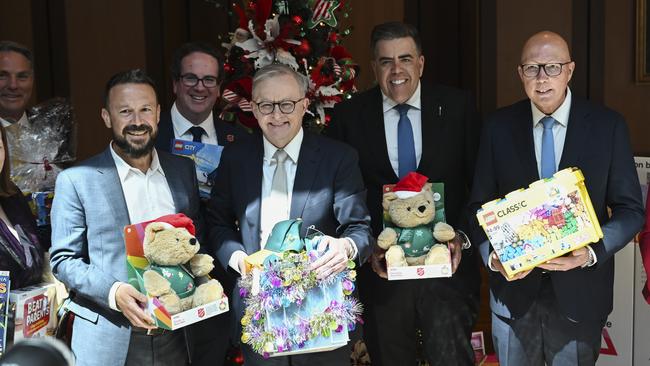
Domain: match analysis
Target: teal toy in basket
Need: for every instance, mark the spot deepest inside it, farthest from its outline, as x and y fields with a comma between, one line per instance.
x=288, y=310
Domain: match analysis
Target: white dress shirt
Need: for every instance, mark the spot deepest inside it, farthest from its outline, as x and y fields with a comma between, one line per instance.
x=147, y=196
x=268, y=169
x=391, y=119
x=182, y=127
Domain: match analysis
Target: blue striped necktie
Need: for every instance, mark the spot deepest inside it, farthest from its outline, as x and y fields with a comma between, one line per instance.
x=405, y=144
x=548, y=148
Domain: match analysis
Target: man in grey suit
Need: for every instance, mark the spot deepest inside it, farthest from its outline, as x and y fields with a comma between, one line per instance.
x=129, y=182
x=288, y=173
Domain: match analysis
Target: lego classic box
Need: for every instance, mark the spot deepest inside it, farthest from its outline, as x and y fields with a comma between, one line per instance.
x=546, y=220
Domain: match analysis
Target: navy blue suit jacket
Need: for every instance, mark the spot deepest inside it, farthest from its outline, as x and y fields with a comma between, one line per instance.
x=597, y=142
x=328, y=193
x=226, y=132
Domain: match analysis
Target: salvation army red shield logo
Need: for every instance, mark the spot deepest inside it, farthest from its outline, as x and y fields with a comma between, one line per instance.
x=420, y=271
x=201, y=312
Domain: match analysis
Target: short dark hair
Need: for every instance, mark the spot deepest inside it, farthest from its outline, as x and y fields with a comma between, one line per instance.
x=135, y=76
x=191, y=47
x=392, y=30
x=7, y=187
x=10, y=46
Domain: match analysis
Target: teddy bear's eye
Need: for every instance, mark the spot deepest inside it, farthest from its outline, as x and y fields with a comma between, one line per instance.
x=408, y=209
x=429, y=202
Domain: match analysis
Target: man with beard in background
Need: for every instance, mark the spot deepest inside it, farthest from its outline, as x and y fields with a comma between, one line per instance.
x=129, y=182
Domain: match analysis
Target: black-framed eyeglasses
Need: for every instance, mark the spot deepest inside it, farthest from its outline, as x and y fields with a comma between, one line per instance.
x=191, y=80
x=551, y=69
x=285, y=106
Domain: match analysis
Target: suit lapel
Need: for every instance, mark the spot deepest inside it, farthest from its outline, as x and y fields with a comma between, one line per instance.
x=109, y=180
x=306, y=173
x=522, y=137
x=575, y=136
x=433, y=127
x=176, y=184
x=253, y=183
x=374, y=126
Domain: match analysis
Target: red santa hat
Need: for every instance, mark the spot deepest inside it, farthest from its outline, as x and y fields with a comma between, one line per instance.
x=177, y=220
x=410, y=185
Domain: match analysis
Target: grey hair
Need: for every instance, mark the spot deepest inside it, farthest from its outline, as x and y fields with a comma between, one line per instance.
x=275, y=70
x=9, y=46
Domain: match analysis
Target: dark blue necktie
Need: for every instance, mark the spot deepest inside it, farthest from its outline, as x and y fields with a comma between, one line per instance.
x=405, y=143
x=548, y=148
x=197, y=132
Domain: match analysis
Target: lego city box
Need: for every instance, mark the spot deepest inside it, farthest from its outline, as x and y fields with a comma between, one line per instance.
x=164, y=316
x=551, y=217
x=33, y=311
x=206, y=158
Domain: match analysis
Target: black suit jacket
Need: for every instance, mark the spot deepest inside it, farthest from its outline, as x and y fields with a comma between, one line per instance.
x=226, y=132
x=450, y=132
x=328, y=193
x=597, y=142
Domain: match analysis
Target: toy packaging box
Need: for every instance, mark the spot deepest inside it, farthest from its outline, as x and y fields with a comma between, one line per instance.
x=421, y=271
x=137, y=264
x=4, y=308
x=41, y=204
x=288, y=310
x=206, y=158
x=550, y=218
x=34, y=312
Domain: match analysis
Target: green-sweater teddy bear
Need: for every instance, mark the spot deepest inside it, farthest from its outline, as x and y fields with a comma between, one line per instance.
x=414, y=239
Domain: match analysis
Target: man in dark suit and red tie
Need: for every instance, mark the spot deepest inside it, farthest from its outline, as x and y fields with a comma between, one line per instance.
x=555, y=313
x=399, y=126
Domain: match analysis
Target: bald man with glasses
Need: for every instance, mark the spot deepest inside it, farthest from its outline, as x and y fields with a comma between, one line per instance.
x=554, y=314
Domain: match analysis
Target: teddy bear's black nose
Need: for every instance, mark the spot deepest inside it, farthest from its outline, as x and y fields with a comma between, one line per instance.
x=422, y=208
x=192, y=241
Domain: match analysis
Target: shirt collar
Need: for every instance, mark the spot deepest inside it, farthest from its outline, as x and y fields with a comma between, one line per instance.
x=123, y=168
x=561, y=115
x=22, y=120
x=292, y=149
x=182, y=125
x=414, y=100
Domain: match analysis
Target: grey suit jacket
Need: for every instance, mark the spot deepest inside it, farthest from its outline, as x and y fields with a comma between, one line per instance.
x=87, y=254
x=328, y=193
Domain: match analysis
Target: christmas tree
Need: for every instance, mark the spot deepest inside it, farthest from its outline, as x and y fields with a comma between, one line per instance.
x=303, y=34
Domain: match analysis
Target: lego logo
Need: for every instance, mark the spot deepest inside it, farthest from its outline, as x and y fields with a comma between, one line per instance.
x=490, y=218
x=178, y=146
x=420, y=271
x=201, y=313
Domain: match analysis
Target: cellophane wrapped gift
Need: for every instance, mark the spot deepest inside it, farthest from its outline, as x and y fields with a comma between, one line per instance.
x=290, y=311
x=546, y=220
x=41, y=147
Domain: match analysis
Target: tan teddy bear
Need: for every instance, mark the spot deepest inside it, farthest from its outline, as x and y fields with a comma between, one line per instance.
x=175, y=269
x=414, y=240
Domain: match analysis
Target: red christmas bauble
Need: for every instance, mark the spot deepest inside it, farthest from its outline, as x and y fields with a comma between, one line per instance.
x=334, y=37
x=303, y=49
x=297, y=19
x=227, y=68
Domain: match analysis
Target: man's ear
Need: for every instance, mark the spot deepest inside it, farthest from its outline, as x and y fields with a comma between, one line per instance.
x=106, y=117
x=157, y=113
